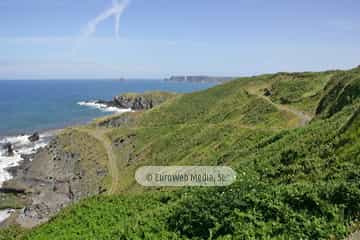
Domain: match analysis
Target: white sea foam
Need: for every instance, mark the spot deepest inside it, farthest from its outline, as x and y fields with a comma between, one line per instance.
x=4, y=214
x=21, y=145
x=103, y=107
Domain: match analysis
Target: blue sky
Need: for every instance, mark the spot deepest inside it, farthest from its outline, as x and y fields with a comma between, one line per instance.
x=43, y=39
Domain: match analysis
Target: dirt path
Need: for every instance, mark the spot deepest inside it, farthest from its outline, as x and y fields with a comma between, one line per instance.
x=304, y=118
x=354, y=236
x=100, y=135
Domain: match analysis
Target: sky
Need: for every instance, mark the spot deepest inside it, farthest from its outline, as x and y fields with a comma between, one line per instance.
x=86, y=39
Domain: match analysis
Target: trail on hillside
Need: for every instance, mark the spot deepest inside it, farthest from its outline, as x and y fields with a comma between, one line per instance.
x=304, y=118
x=354, y=236
x=100, y=136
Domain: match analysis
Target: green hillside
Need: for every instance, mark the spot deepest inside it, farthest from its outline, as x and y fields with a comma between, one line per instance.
x=293, y=139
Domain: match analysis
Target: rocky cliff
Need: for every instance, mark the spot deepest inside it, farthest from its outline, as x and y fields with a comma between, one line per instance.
x=71, y=167
x=139, y=101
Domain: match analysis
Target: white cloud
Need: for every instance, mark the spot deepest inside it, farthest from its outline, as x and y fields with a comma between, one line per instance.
x=116, y=10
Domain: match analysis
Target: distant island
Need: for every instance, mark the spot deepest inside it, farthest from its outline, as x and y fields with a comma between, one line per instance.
x=199, y=78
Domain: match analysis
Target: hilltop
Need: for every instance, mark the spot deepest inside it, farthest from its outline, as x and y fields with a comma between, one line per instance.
x=293, y=139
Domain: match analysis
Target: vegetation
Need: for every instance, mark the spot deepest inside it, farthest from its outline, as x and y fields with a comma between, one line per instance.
x=294, y=182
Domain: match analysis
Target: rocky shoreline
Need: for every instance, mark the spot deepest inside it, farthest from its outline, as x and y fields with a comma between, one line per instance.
x=51, y=181
x=137, y=101
x=63, y=172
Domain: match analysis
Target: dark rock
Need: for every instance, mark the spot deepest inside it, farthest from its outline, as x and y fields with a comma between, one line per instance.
x=267, y=92
x=9, y=149
x=27, y=157
x=34, y=137
x=12, y=190
x=284, y=101
x=138, y=101
x=7, y=145
x=12, y=170
x=135, y=103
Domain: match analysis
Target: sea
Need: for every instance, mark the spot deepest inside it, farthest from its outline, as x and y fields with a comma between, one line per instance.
x=28, y=106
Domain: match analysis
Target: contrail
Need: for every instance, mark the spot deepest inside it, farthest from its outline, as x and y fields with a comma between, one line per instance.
x=116, y=10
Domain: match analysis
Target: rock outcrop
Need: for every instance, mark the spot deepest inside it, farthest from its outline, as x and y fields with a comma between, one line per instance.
x=34, y=137
x=267, y=92
x=9, y=151
x=58, y=175
x=135, y=103
x=139, y=101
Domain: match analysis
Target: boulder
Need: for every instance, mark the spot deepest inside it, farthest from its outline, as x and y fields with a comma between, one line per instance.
x=34, y=137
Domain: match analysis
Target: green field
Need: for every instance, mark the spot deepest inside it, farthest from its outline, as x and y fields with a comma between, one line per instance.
x=296, y=179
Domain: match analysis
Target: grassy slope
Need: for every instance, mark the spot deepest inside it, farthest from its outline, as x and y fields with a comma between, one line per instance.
x=292, y=182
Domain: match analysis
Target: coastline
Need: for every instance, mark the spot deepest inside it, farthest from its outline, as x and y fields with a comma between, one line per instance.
x=23, y=149
x=93, y=104
x=60, y=170
x=24, y=153
x=43, y=188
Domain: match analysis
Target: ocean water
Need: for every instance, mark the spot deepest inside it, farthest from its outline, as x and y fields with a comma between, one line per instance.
x=28, y=106
x=42, y=106
x=21, y=145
